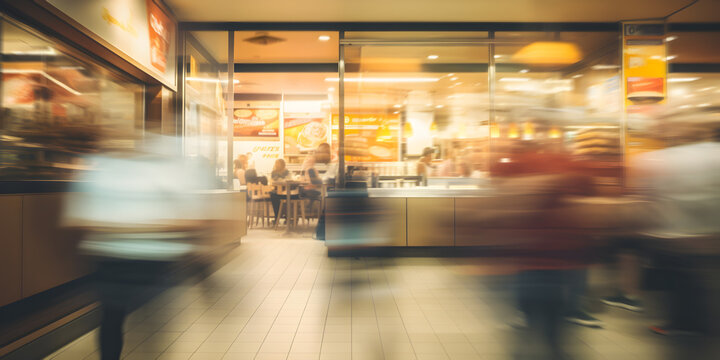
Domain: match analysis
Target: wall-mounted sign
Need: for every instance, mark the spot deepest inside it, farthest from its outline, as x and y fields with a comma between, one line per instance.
x=263, y=153
x=644, y=64
x=369, y=137
x=138, y=28
x=254, y=122
x=644, y=81
x=303, y=132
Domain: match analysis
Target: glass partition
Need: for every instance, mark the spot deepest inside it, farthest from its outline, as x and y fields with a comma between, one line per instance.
x=558, y=96
x=204, y=110
x=57, y=106
x=409, y=102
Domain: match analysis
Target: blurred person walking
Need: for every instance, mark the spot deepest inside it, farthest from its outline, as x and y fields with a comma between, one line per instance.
x=683, y=184
x=143, y=216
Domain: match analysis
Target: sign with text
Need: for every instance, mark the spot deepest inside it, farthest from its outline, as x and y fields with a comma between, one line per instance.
x=138, y=28
x=263, y=153
x=644, y=64
x=303, y=132
x=369, y=137
x=256, y=122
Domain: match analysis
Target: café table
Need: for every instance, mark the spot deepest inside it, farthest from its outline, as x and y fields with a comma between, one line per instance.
x=290, y=186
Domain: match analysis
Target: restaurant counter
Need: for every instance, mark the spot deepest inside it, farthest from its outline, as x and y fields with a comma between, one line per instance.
x=455, y=217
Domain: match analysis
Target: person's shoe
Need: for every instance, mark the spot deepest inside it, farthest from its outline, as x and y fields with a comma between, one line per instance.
x=623, y=302
x=518, y=322
x=670, y=331
x=584, y=319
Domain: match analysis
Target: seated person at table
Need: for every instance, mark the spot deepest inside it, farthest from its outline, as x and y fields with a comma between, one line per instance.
x=279, y=174
x=240, y=165
x=312, y=177
x=323, y=155
x=251, y=177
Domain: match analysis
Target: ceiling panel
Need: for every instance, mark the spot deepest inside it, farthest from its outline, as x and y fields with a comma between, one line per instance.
x=447, y=10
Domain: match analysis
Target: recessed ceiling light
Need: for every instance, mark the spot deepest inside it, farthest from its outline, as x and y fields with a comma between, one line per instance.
x=704, y=105
x=671, y=57
x=687, y=79
x=432, y=57
x=670, y=38
x=324, y=37
x=451, y=74
x=497, y=56
x=453, y=78
x=604, y=67
x=524, y=71
x=382, y=80
x=440, y=106
x=397, y=106
x=514, y=79
x=396, y=112
x=577, y=76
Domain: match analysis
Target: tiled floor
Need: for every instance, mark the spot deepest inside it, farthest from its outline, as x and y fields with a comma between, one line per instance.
x=283, y=298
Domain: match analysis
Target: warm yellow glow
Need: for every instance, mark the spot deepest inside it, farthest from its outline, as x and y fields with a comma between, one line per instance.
x=433, y=127
x=407, y=130
x=383, y=133
x=513, y=131
x=494, y=131
x=554, y=133
x=528, y=130
x=548, y=52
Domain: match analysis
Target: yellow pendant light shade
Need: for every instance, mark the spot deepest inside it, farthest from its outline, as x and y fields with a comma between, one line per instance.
x=528, y=131
x=548, y=53
x=554, y=133
x=513, y=132
x=494, y=131
x=407, y=130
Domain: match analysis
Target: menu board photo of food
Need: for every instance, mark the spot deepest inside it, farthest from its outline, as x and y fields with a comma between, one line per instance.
x=369, y=137
x=304, y=132
x=256, y=122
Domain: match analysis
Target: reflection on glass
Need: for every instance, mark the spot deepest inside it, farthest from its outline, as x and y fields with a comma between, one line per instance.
x=56, y=108
x=430, y=106
x=205, y=109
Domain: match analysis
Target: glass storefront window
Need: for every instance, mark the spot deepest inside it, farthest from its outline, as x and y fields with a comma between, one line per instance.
x=205, y=118
x=56, y=107
x=558, y=94
x=404, y=96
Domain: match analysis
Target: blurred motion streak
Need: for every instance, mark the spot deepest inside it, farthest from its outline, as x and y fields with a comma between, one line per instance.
x=147, y=215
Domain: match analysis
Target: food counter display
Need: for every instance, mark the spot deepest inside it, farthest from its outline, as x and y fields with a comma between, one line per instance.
x=467, y=217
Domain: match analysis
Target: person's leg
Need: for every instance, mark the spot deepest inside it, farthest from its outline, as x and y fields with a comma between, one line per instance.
x=111, y=332
x=688, y=308
x=628, y=274
x=114, y=297
x=275, y=201
x=577, y=285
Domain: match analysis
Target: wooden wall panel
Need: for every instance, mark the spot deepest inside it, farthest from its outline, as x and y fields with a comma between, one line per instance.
x=50, y=256
x=10, y=248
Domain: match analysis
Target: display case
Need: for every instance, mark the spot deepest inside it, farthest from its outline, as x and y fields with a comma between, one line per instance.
x=57, y=106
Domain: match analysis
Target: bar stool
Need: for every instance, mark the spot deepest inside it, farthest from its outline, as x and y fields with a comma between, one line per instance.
x=258, y=207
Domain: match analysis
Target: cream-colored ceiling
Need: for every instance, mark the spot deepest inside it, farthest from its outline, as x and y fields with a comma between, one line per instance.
x=446, y=10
